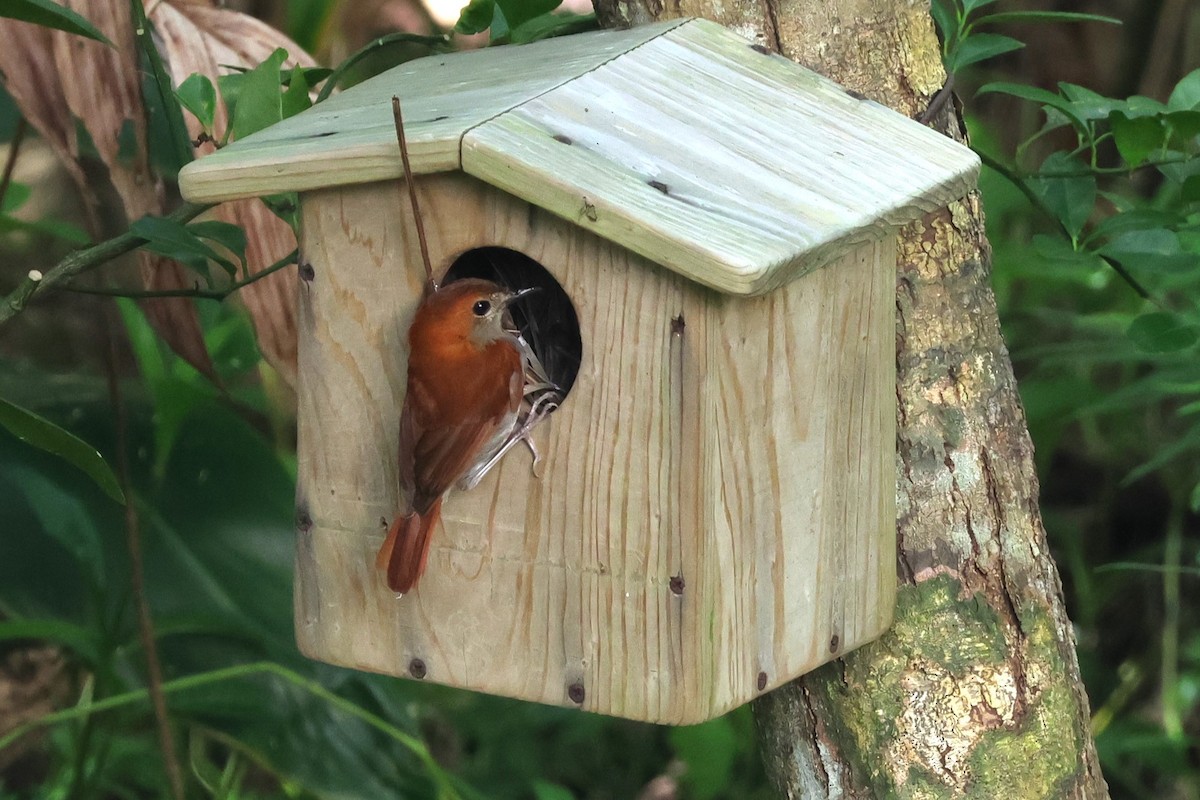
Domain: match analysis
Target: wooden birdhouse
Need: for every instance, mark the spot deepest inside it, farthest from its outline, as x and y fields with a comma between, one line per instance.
x=713, y=513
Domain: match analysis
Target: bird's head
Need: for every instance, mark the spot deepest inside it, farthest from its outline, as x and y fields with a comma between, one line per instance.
x=472, y=309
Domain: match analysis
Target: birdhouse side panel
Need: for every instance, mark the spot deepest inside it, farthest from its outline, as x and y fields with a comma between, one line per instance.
x=567, y=587
x=806, y=415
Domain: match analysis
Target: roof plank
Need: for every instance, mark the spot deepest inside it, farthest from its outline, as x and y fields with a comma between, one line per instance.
x=736, y=168
x=350, y=138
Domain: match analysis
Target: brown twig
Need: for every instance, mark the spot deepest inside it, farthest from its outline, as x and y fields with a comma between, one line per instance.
x=202, y=294
x=133, y=542
x=10, y=163
x=82, y=261
x=938, y=102
x=412, y=194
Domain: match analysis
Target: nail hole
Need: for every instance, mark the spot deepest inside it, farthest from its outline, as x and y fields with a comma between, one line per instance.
x=307, y=273
x=762, y=681
x=576, y=693
x=416, y=668
x=834, y=641
x=659, y=185
x=677, y=325
x=558, y=137
x=677, y=585
x=303, y=522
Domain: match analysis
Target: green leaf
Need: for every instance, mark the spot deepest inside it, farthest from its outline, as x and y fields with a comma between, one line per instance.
x=198, y=95
x=1151, y=248
x=499, y=30
x=1161, y=332
x=231, y=237
x=296, y=98
x=980, y=47
x=45, y=435
x=477, y=17
x=518, y=12
x=1043, y=16
x=945, y=19
x=166, y=134
x=82, y=641
x=1186, y=94
x=1089, y=105
x=259, y=102
x=1070, y=199
x=550, y=791
x=971, y=5
x=1135, y=219
x=1194, y=501
x=51, y=15
x=708, y=750
x=173, y=240
x=553, y=24
x=1190, y=192
x=1035, y=95
x=1137, y=138
x=17, y=195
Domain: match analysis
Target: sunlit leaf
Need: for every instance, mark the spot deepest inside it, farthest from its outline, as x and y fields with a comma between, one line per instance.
x=1186, y=94
x=259, y=97
x=49, y=14
x=45, y=435
x=475, y=17
x=198, y=95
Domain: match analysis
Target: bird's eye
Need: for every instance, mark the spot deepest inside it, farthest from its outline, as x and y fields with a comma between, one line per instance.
x=481, y=308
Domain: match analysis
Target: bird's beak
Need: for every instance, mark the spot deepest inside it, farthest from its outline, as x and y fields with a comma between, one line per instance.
x=517, y=295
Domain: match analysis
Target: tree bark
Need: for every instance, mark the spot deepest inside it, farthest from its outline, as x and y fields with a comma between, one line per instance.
x=975, y=691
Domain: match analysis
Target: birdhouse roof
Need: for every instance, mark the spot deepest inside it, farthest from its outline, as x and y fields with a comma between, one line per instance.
x=679, y=141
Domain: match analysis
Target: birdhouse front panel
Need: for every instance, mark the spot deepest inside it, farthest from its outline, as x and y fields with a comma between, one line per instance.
x=712, y=510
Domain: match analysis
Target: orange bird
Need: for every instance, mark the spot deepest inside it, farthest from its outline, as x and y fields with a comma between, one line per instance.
x=466, y=381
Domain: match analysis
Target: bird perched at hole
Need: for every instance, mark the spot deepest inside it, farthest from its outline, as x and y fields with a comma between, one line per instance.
x=466, y=383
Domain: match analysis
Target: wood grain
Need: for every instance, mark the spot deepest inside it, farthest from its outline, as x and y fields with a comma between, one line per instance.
x=717, y=498
x=735, y=168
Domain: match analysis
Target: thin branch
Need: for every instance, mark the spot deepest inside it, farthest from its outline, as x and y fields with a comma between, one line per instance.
x=1037, y=202
x=14, y=147
x=938, y=102
x=412, y=194
x=133, y=543
x=82, y=261
x=203, y=294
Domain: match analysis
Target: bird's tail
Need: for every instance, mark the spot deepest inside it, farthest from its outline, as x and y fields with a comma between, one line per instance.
x=406, y=548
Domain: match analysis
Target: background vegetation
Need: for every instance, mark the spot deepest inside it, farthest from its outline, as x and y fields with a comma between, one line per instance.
x=1093, y=205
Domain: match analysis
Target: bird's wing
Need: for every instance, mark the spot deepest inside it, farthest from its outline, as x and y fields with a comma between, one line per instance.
x=432, y=458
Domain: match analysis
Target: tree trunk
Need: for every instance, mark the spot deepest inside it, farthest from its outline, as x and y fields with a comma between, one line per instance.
x=975, y=692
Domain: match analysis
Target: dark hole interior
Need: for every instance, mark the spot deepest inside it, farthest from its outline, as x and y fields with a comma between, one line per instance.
x=546, y=318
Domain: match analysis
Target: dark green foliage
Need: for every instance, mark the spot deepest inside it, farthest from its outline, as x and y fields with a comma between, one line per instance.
x=51, y=15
